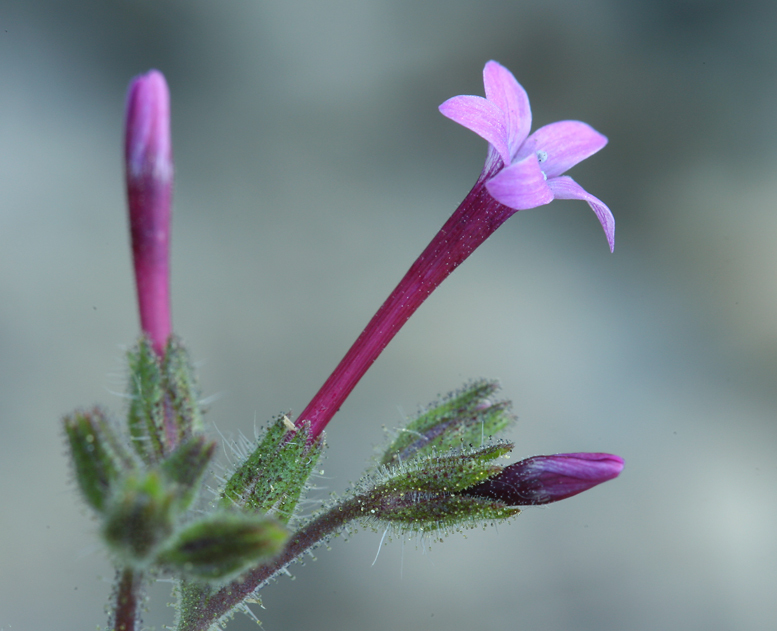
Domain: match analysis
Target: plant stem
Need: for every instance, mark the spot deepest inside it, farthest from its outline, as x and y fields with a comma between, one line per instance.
x=127, y=600
x=199, y=617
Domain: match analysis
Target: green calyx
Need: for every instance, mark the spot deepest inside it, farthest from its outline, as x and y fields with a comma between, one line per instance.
x=271, y=479
x=425, y=494
x=139, y=517
x=164, y=409
x=222, y=545
x=146, y=413
x=98, y=454
x=447, y=473
x=466, y=417
x=185, y=468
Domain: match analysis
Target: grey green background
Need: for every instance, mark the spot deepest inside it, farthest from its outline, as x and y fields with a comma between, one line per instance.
x=312, y=167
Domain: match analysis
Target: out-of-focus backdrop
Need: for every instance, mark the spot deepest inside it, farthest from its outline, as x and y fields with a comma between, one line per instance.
x=312, y=166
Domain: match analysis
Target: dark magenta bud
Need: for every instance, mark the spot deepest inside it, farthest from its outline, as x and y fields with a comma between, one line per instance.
x=546, y=479
x=148, y=162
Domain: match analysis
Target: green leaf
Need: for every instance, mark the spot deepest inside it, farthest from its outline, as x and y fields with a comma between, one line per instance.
x=465, y=418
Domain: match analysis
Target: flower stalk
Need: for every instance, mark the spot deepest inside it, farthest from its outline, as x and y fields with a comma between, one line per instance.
x=478, y=216
x=520, y=172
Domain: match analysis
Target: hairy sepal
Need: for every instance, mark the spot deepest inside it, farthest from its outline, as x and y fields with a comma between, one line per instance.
x=185, y=468
x=98, y=454
x=271, y=479
x=140, y=517
x=164, y=408
x=221, y=546
x=466, y=417
x=145, y=416
x=426, y=494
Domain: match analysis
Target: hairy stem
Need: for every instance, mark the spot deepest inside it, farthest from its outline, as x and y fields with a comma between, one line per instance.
x=127, y=600
x=199, y=616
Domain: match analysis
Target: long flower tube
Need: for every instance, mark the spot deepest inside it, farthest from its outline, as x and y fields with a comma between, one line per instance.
x=520, y=172
x=149, y=175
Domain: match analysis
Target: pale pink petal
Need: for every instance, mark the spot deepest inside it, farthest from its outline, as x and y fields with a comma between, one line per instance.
x=521, y=185
x=566, y=188
x=481, y=116
x=560, y=146
x=507, y=94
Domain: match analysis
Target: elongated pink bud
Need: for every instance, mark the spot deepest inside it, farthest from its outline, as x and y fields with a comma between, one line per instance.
x=149, y=173
x=546, y=479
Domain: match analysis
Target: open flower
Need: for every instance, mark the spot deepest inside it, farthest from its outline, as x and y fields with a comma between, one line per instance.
x=526, y=171
x=149, y=172
x=546, y=479
x=504, y=119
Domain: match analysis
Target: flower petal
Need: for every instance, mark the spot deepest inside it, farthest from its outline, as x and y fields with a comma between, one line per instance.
x=566, y=188
x=546, y=479
x=562, y=145
x=508, y=95
x=481, y=116
x=521, y=186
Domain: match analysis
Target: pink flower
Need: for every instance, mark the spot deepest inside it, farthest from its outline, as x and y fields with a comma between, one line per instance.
x=526, y=171
x=149, y=173
x=504, y=119
x=546, y=479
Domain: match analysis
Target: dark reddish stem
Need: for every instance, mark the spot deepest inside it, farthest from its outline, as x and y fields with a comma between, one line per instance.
x=127, y=601
x=478, y=216
x=213, y=607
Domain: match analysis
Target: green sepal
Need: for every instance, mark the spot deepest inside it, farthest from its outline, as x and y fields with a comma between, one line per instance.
x=223, y=545
x=467, y=417
x=181, y=390
x=424, y=494
x=146, y=395
x=447, y=473
x=271, y=479
x=427, y=512
x=140, y=516
x=185, y=468
x=98, y=455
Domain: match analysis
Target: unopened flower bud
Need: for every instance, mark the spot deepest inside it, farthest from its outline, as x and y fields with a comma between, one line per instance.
x=546, y=479
x=149, y=173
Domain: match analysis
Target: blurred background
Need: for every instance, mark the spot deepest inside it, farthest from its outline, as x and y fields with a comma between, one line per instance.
x=312, y=167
